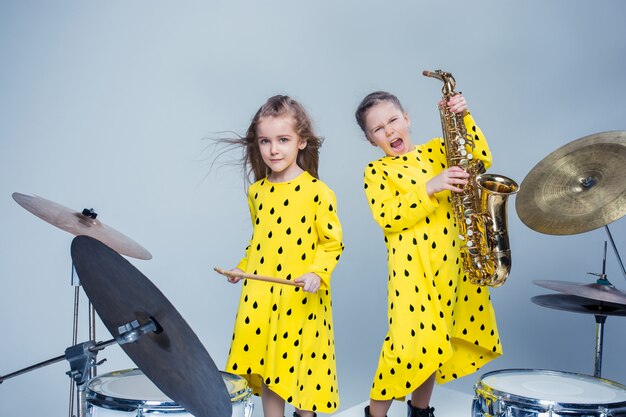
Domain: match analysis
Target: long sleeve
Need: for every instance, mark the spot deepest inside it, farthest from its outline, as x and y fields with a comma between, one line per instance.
x=392, y=210
x=481, y=148
x=243, y=263
x=330, y=246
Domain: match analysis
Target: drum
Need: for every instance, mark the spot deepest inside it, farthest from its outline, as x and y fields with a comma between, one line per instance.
x=532, y=392
x=131, y=393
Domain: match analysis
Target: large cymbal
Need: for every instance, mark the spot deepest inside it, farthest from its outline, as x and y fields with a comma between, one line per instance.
x=600, y=292
x=577, y=304
x=80, y=224
x=577, y=188
x=173, y=358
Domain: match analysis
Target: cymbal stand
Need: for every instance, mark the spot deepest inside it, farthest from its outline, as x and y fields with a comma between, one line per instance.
x=82, y=358
x=597, y=368
x=619, y=260
x=600, y=320
x=91, y=371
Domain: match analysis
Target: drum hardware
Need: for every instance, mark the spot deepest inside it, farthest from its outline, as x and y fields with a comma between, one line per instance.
x=577, y=188
x=258, y=277
x=596, y=299
x=172, y=357
x=83, y=223
x=540, y=393
x=619, y=259
x=149, y=330
x=601, y=290
x=82, y=357
x=600, y=309
x=601, y=299
x=575, y=304
x=129, y=392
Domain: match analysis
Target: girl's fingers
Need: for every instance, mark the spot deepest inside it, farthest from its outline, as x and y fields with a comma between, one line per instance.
x=457, y=104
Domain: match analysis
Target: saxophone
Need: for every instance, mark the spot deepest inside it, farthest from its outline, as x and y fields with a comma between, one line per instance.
x=480, y=209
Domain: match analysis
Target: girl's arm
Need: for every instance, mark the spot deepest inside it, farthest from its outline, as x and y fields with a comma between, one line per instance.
x=481, y=148
x=458, y=104
x=395, y=213
x=329, y=244
x=243, y=263
x=452, y=178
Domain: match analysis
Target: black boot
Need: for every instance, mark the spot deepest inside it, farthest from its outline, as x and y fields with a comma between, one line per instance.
x=298, y=415
x=367, y=412
x=419, y=412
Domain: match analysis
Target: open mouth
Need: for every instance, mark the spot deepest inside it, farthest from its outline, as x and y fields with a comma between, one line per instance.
x=397, y=144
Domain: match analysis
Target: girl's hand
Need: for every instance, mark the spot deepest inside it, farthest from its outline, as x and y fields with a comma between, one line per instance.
x=233, y=279
x=456, y=104
x=448, y=179
x=311, y=282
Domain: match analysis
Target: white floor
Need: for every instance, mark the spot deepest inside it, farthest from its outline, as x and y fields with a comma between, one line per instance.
x=447, y=403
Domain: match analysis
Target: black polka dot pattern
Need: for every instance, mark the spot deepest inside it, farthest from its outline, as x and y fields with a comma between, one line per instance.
x=438, y=321
x=283, y=336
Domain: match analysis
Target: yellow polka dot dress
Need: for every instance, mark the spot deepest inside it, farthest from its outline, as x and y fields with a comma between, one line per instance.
x=283, y=336
x=438, y=321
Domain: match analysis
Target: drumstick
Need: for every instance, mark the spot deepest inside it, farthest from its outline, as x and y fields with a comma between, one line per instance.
x=257, y=277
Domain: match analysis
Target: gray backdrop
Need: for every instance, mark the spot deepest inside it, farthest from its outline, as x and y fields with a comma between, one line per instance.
x=108, y=104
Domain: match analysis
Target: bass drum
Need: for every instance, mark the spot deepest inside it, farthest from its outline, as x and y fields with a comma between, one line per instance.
x=130, y=393
x=544, y=393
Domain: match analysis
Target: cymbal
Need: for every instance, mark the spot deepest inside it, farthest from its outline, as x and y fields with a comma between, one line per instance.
x=577, y=188
x=600, y=292
x=173, y=357
x=81, y=224
x=577, y=304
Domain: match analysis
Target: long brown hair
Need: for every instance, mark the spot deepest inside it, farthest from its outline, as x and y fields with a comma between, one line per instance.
x=279, y=105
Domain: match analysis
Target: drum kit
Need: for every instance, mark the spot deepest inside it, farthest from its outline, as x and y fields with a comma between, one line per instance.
x=577, y=188
x=175, y=373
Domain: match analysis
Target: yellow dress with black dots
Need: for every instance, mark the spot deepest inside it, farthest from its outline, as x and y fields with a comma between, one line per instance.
x=438, y=321
x=283, y=336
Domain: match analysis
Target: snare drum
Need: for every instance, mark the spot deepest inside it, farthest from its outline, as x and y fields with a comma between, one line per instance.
x=532, y=392
x=131, y=393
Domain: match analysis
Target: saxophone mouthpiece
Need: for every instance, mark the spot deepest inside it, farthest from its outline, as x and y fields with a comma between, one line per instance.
x=434, y=74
